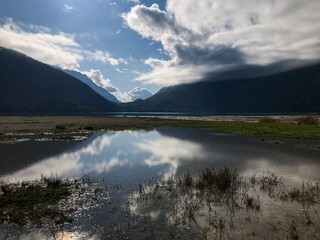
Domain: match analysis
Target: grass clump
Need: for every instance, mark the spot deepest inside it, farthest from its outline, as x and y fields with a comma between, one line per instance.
x=268, y=120
x=48, y=202
x=308, y=120
x=221, y=180
x=34, y=202
x=88, y=128
x=61, y=127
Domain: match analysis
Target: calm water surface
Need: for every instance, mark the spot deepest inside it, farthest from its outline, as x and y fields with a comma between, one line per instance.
x=131, y=157
x=127, y=158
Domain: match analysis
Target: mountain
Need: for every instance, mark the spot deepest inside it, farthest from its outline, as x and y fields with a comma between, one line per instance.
x=29, y=86
x=139, y=93
x=295, y=91
x=84, y=78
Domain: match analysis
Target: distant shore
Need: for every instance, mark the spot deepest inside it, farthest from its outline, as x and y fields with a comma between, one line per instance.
x=278, y=126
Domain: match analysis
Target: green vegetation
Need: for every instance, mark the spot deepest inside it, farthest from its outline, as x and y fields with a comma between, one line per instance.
x=267, y=127
x=34, y=202
x=300, y=128
x=278, y=130
x=47, y=202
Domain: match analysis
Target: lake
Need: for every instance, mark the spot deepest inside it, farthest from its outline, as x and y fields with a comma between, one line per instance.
x=120, y=161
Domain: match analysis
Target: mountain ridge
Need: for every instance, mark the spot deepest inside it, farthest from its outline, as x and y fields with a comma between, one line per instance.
x=294, y=91
x=27, y=85
x=86, y=80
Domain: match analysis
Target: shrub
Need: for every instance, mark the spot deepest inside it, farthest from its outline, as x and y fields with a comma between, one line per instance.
x=310, y=120
x=60, y=127
x=268, y=120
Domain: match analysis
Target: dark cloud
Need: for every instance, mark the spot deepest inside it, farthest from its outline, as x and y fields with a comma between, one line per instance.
x=207, y=39
x=219, y=55
x=157, y=17
x=242, y=71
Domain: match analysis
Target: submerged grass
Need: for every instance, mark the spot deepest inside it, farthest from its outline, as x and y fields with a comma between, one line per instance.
x=220, y=204
x=213, y=204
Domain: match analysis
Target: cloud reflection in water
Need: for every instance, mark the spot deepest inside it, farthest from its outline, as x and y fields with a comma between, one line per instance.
x=71, y=164
x=169, y=152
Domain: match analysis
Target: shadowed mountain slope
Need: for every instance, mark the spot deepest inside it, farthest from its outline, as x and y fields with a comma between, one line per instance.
x=85, y=79
x=295, y=91
x=28, y=86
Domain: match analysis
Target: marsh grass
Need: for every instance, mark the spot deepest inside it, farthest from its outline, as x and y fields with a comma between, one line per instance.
x=220, y=204
x=61, y=127
x=221, y=180
x=50, y=202
x=32, y=202
x=213, y=204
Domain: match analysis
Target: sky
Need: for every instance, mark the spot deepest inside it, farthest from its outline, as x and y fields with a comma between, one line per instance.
x=124, y=44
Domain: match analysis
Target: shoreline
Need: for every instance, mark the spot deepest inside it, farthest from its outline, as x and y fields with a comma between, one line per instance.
x=275, y=126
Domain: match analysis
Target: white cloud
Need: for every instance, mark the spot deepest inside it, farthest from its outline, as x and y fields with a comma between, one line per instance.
x=72, y=164
x=139, y=93
x=136, y=72
x=202, y=37
x=57, y=49
x=167, y=73
x=67, y=8
x=152, y=22
x=134, y=1
x=133, y=94
x=175, y=150
x=97, y=77
x=105, y=57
